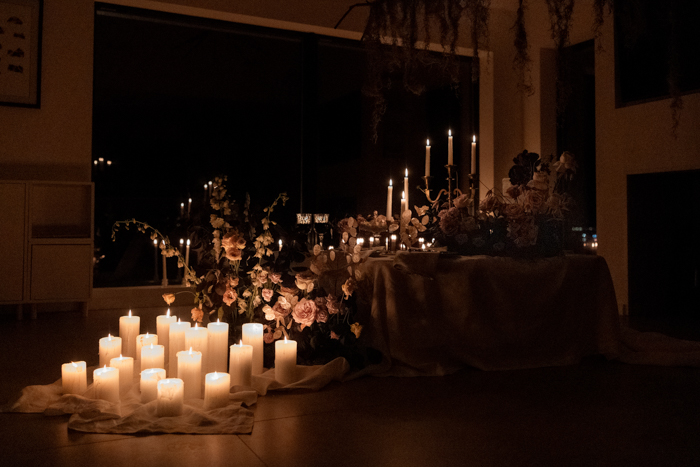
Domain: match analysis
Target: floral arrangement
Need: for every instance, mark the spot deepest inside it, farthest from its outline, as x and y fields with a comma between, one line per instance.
x=528, y=220
x=239, y=279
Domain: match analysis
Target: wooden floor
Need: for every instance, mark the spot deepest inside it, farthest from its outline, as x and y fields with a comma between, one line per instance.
x=595, y=413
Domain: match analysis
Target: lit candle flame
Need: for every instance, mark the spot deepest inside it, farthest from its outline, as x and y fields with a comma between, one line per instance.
x=168, y=313
x=74, y=364
x=473, y=138
x=390, y=183
x=406, y=172
x=427, y=142
x=449, y=132
x=129, y=313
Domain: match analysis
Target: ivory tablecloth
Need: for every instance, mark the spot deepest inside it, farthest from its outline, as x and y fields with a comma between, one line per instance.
x=435, y=314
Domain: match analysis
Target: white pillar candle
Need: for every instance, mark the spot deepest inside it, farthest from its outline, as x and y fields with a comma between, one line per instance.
x=197, y=338
x=176, y=343
x=240, y=365
x=427, y=158
x=163, y=323
x=286, y=361
x=253, y=336
x=189, y=370
x=143, y=340
x=105, y=381
x=473, y=154
x=170, y=397
x=74, y=378
x=110, y=347
x=389, y=198
x=129, y=328
x=217, y=355
x=152, y=356
x=125, y=365
x=450, y=159
x=149, y=384
x=405, y=190
x=216, y=390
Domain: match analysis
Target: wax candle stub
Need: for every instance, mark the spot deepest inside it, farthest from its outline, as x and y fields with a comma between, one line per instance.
x=74, y=378
x=216, y=390
x=170, y=397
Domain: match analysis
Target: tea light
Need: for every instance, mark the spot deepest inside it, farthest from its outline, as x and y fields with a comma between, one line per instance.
x=143, y=340
x=170, y=397
x=240, y=365
x=216, y=390
x=197, y=338
x=129, y=327
x=163, y=323
x=110, y=347
x=217, y=349
x=152, y=356
x=74, y=378
x=176, y=343
x=149, y=384
x=125, y=365
x=189, y=370
x=106, y=383
x=253, y=336
x=285, y=361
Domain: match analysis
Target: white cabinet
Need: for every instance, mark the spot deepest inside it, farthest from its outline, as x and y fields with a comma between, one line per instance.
x=46, y=233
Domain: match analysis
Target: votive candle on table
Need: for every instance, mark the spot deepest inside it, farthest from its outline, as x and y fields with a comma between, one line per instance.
x=286, y=361
x=105, y=381
x=110, y=347
x=125, y=365
x=189, y=370
x=74, y=378
x=149, y=384
x=170, y=397
x=152, y=356
x=217, y=356
x=216, y=390
x=197, y=338
x=143, y=340
x=176, y=343
x=129, y=328
x=240, y=365
x=253, y=336
x=163, y=323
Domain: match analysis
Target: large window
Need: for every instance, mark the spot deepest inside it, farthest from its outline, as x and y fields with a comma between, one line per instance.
x=179, y=100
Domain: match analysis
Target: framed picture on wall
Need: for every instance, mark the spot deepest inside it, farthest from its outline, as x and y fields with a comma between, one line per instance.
x=20, y=52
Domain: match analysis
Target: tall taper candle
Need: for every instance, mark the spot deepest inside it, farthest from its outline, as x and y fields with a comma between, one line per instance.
x=473, y=154
x=405, y=189
x=217, y=347
x=427, y=158
x=73, y=378
x=389, y=199
x=450, y=159
x=176, y=343
x=253, y=335
x=129, y=328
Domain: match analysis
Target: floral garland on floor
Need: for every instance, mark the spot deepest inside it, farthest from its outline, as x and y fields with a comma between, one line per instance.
x=240, y=279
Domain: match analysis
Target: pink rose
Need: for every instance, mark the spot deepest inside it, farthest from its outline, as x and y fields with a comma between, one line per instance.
x=305, y=312
x=275, y=277
x=450, y=220
x=534, y=200
x=197, y=314
x=332, y=304
x=462, y=201
x=267, y=294
x=282, y=308
x=305, y=281
x=321, y=315
x=233, y=254
x=230, y=296
x=268, y=338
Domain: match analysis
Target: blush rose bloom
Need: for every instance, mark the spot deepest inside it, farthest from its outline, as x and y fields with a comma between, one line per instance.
x=332, y=304
x=305, y=281
x=230, y=296
x=305, y=312
x=534, y=200
x=450, y=220
x=462, y=201
x=275, y=277
x=282, y=308
x=267, y=294
x=268, y=338
x=197, y=315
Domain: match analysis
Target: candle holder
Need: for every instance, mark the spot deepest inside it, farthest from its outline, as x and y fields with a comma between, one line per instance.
x=450, y=192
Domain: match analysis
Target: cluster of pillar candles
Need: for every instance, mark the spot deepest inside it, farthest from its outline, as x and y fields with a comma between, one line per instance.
x=450, y=162
x=177, y=361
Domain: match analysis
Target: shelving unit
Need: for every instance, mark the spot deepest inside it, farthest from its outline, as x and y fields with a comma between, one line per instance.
x=46, y=229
